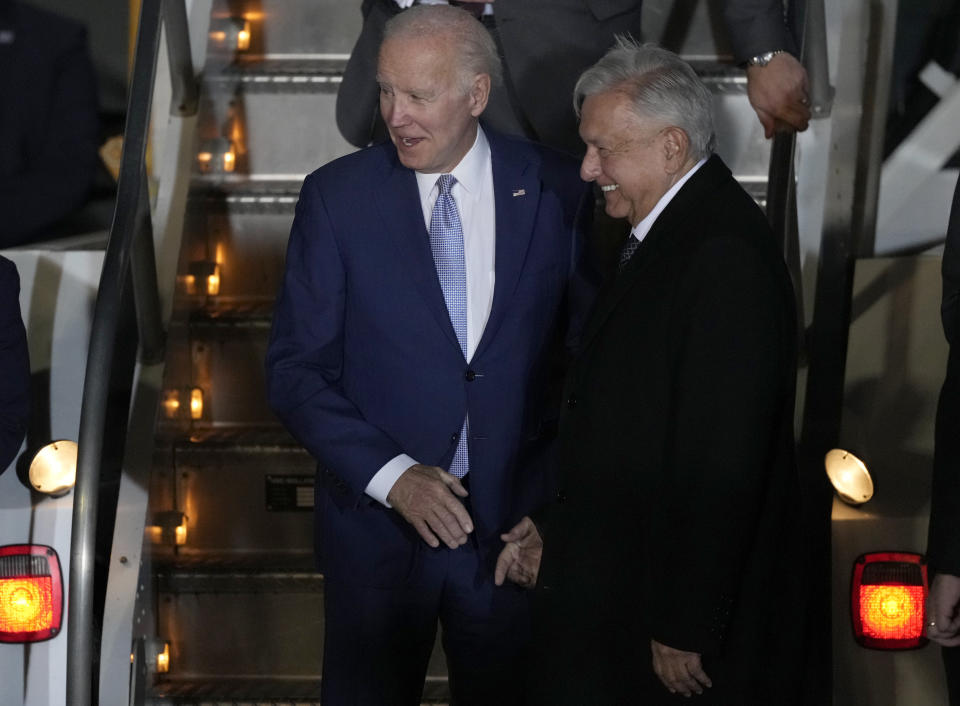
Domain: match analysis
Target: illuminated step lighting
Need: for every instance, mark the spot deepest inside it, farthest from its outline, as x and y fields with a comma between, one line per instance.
x=171, y=404
x=217, y=155
x=31, y=593
x=206, y=272
x=169, y=527
x=888, y=593
x=230, y=33
x=196, y=403
x=163, y=659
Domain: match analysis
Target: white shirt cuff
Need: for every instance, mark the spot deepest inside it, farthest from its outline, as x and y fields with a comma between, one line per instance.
x=382, y=482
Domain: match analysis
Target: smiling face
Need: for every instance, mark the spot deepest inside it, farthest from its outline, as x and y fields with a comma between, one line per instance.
x=633, y=159
x=429, y=109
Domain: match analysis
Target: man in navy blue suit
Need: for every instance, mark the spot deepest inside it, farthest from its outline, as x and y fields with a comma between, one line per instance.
x=422, y=319
x=14, y=366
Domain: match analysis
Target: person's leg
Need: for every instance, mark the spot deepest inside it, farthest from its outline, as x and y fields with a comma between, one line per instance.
x=377, y=642
x=486, y=633
x=951, y=663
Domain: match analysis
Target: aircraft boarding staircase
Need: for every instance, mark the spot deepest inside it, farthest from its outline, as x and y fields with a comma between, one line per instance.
x=220, y=601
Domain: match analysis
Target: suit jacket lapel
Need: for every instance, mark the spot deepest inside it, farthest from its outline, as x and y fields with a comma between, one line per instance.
x=664, y=228
x=398, y=202
x=516, y=191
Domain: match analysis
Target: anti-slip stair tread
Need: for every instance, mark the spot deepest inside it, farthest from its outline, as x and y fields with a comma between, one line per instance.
x=258, y=691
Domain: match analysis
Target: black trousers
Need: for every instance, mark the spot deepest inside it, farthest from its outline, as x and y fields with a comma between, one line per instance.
x=951, y=663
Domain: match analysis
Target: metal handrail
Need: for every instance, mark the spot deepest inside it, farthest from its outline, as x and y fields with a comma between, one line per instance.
x=814, y=57
x=781, y=178
x=130, y=253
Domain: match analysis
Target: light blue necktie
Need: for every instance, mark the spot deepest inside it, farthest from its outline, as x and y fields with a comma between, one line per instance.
x=446, y=242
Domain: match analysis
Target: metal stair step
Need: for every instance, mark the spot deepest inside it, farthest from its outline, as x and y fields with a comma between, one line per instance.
x=295, y=573
x=262, y=692
x=281, y=74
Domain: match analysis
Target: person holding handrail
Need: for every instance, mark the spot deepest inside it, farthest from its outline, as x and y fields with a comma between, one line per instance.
x=545, y=45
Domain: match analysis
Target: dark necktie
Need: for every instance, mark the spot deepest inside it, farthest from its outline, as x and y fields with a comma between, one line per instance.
x=627, y=251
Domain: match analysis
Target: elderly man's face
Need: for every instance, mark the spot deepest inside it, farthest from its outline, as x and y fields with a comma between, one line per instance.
x=431, y=120
x=625, y=155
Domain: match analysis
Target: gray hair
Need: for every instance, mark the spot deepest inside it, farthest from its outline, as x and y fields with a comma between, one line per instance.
x=476, y=50
x=660, y=85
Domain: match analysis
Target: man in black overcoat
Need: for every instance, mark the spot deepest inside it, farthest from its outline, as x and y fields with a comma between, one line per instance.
x=943, y=547
x=667, y=565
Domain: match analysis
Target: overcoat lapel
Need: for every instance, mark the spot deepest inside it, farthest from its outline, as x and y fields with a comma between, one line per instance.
x=667, y=226
x=398, y=202
x=516, y=190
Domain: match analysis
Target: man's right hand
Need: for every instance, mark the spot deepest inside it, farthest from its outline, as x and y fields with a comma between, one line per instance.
x=426, y=497
x=779, y=93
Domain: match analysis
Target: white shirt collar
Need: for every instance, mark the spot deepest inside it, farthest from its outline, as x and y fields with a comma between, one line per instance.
x=469, y=172
x=640, y=230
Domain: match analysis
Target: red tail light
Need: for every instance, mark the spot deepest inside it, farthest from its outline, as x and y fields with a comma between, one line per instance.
x=888, y=594
x=31, y=593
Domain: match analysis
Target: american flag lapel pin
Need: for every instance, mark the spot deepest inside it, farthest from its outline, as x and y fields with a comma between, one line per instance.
x=519, y=192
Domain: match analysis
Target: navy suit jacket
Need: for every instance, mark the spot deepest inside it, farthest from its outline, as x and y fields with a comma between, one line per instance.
x=364, y=364
x=14, y=366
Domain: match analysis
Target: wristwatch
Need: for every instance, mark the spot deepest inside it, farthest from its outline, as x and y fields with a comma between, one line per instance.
x=765, y=58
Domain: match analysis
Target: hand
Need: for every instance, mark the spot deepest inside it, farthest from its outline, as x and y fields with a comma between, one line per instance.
x=426, y=498
x=678, y=670
x=519, y=560
x=778, y=93
x=943, y=616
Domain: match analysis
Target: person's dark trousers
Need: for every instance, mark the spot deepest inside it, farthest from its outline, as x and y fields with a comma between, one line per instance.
x=951, y=664
x=378, y=641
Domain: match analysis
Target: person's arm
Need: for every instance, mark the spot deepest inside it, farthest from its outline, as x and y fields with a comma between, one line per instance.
x=15, y=364
x=304, y=367
x=776, y=81
x=305, y=355
x=58, y=176
x=730, y=340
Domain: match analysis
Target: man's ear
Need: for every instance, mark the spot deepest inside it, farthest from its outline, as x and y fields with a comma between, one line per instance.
x=676, y=146
x=479, y=94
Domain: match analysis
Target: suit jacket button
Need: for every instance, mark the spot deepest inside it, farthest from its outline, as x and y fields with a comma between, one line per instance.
x=469, y=376
x=561, y=496
x=571, y=401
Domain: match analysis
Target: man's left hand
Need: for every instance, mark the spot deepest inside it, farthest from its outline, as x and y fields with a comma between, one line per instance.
x=779, y=94
x=681, y=672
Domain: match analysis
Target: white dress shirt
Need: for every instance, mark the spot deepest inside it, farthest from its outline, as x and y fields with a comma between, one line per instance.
x=473, y=194
x=640, y=230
